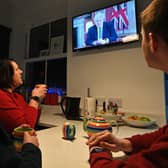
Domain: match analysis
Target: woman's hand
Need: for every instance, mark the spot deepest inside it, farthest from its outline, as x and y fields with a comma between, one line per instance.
x=107, y=140
x=30, y=138
x=39, y=92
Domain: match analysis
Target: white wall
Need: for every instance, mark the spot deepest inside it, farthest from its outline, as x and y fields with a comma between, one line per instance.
x=120, y=72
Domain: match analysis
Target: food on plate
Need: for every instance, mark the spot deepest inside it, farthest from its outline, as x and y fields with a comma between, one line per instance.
x=139, y=118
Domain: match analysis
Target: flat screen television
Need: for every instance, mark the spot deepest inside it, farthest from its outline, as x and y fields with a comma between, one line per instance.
x=115, y=24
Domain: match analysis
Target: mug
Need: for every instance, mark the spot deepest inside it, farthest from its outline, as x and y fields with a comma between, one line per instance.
x=96, y=124
x=18, y=134
x=69, y=131
x=71, y=107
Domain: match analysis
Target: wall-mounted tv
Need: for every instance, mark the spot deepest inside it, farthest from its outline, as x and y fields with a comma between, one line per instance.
x=115, y=24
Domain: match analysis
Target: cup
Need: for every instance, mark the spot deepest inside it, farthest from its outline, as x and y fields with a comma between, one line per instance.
x=18, y=134
x=69, y=131
x=96, y=124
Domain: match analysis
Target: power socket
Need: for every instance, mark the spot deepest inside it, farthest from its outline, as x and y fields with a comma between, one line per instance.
x=117, y=101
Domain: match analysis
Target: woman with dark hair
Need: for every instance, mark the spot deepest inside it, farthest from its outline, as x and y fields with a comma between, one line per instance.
x=14, y=111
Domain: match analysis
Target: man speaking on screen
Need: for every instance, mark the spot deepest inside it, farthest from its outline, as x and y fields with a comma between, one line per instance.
x=101, y=32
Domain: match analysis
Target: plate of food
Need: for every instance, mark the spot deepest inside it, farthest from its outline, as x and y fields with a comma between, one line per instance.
x=138, y=120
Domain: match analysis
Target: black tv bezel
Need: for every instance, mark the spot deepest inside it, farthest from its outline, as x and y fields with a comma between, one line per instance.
x=106, y=45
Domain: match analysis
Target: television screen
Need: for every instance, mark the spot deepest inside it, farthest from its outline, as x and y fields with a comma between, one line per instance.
x=115, y=24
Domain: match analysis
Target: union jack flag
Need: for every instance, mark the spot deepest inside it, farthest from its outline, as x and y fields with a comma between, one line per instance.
x=119, y=14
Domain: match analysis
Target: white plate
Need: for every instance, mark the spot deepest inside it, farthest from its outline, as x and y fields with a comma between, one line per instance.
x=139, y=120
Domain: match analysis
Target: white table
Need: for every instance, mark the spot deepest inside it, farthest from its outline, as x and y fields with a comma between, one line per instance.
x=60, y=153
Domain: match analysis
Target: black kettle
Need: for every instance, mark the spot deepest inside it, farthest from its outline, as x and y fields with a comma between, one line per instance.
x=71, y=107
